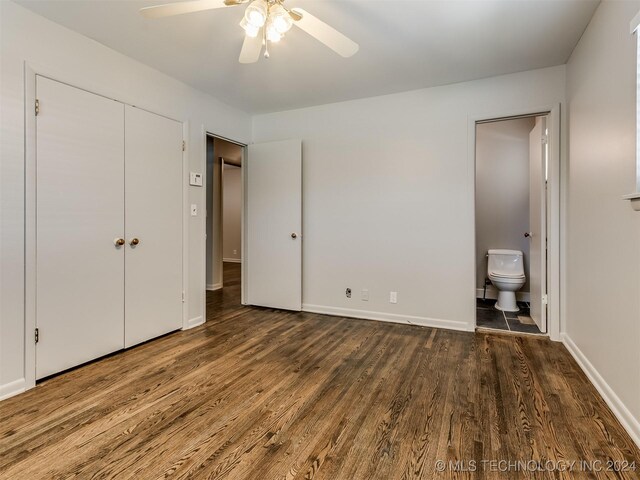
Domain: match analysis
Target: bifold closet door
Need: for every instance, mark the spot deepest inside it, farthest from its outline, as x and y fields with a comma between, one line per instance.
x=153, y=218
x=80, y=215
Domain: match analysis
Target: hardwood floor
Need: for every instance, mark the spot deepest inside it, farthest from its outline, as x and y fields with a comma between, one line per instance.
x=265, y=394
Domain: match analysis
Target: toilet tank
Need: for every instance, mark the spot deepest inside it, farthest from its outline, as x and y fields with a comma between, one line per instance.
x=505, y=262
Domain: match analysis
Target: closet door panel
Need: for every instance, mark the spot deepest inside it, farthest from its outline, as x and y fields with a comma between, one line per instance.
x=153, y=190
x=80, y=212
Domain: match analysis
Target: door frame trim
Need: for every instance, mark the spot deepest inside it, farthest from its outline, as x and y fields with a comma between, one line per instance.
x=555, y=203
x=30, y=72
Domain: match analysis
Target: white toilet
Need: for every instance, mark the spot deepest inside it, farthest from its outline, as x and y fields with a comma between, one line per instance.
x=505, y=269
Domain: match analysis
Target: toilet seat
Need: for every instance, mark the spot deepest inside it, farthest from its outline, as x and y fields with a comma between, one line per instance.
x=505, y=279
x=507, y=276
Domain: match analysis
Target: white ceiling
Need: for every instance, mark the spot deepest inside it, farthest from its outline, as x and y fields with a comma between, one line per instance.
x=404, y=45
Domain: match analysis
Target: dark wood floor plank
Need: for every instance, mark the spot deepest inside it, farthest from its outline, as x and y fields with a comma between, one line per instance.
x=261, y=393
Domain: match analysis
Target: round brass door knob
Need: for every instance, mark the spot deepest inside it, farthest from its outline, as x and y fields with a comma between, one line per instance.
x=294, y=235
x=119, y=242
x=134, y=242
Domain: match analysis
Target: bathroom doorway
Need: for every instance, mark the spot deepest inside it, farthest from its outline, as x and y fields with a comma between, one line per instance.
x=224, y=223
x=511, y=212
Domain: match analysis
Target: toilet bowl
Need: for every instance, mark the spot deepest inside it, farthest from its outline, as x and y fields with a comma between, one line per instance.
x=505, y=269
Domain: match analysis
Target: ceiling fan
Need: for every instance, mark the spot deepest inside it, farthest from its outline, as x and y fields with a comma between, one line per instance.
x=264, y=22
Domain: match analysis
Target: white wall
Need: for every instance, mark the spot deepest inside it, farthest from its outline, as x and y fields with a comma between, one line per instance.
x=603, y=262
x=88, y=64
x=502, y=191
x=388, y=195
x=231, y=213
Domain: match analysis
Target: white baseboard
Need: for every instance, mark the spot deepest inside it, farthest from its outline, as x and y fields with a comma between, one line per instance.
x=194, y=322
x=389, y=317
x=492, y=294
x=622, y=413
x=232, y=260
x=12, y=388
x=214, y=286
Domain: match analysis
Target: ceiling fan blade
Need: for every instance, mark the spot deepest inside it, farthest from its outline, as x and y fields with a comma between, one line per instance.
x=179, y=8
x=326, y=34
x=251, y=48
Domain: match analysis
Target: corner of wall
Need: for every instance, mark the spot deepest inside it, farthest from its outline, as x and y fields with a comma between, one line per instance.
x=619, y=409
x=12, y=388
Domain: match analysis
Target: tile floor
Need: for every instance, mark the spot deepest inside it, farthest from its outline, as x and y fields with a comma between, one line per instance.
x=487, y=316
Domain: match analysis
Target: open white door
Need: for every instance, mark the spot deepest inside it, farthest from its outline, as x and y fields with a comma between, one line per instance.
x=537, y=223
x=80, y=224
x=274, y=225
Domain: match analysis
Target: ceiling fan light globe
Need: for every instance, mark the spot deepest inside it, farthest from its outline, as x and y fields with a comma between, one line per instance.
x=256, y=13
x=282, y=24
x=273, y=35
x=250, y=29
x=256, y=19
x=280, y=18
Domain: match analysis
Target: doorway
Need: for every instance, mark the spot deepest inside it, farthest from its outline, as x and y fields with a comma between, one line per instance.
x=266, y=269
x=511, y=212
x=224, y=200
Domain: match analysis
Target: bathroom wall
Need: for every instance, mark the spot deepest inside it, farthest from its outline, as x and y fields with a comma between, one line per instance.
x=231, y=214
x=502, y=191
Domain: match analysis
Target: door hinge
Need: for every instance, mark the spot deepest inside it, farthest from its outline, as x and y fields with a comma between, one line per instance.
x=184, y=145
x=182, y=297
x=545, y=299
x=545, y=139
x=37, y=107
x=37, y=335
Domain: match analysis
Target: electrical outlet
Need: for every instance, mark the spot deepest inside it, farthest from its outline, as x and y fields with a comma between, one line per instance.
x=393, y=297
x=347, y=292
x=235, y=252
x=365, y=295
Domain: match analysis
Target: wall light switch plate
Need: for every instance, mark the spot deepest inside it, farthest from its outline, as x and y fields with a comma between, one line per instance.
x=393, y=297
x=194, y=210
x=195, y=179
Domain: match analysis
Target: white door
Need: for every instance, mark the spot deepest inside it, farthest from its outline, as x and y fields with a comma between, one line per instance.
x=537, y=223
x=274, y=225
x=153, y=220
x=80, y=213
